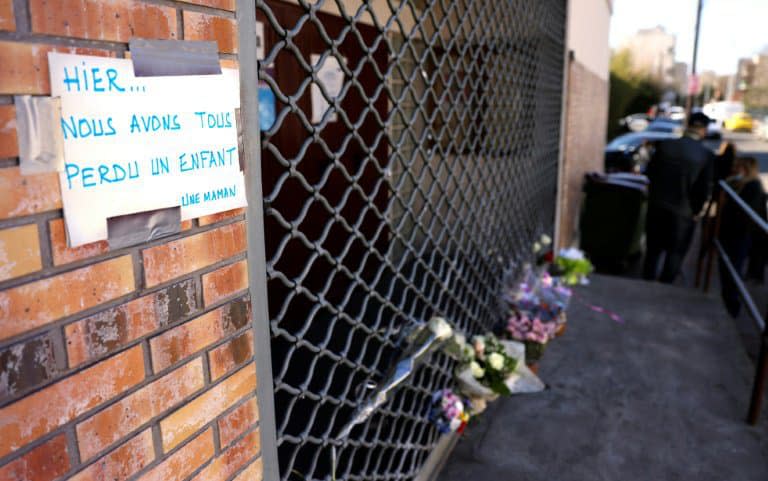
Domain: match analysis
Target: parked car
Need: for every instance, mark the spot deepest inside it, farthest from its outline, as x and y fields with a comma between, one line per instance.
x=676, y=113
x=714, y=130
x=631, y=152
x=665, y=125
x=739, y=121
x=634, y=122
x=721, y=111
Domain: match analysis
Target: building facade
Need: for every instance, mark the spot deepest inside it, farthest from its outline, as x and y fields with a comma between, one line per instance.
x=653, y=53
x=398, y=157
x=586, y=107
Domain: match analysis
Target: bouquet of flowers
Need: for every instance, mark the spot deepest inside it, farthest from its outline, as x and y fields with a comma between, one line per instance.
x=449, y=412
x=521, y=327
x=484, y=367
x=572, y=266
x=542, y=297
x=533, y=332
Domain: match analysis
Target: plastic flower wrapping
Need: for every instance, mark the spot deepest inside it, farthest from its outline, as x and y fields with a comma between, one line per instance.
x=539, y=298
x=449, y=412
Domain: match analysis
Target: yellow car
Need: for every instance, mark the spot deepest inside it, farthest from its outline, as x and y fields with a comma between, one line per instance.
x=739, y=121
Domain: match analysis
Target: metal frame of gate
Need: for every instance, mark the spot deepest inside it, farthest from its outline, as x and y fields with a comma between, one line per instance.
x=456, y=147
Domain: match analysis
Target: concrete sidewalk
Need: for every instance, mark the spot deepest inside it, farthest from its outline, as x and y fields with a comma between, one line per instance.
x=662, y=396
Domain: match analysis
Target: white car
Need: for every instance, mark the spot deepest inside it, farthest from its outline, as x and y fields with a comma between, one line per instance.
x=676, y=113
x=714, y=130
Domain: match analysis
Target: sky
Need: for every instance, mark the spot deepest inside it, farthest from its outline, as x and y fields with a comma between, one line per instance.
x=730, y=29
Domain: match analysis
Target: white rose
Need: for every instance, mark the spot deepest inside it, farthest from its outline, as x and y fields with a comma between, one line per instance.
x=440, y=328
x=545, y=239
x=496, y=361
x=460, y=340
x=536, y=247
x=455, y=424
x=477, y=371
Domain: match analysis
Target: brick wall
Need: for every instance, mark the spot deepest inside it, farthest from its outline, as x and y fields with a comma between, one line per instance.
x=114, y=364
x=586, y=122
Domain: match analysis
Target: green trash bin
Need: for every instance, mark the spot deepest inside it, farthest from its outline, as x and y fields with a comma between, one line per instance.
x=612, y=221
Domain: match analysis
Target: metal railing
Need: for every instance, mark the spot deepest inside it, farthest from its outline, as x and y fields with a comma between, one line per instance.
x=411, y=156
x=715, y=247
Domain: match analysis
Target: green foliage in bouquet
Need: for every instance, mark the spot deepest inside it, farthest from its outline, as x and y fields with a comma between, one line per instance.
x=572, y=266
x=494, y=378
x=491, y=364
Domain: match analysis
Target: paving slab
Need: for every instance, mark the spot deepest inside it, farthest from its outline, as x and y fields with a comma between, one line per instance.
x=661, y=396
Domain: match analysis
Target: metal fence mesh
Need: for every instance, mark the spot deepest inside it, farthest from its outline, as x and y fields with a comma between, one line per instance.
x=401, y=196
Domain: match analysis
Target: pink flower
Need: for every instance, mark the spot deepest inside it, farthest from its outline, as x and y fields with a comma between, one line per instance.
x=523, y=328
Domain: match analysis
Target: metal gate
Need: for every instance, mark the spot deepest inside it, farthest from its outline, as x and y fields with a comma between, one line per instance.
x=413, y=156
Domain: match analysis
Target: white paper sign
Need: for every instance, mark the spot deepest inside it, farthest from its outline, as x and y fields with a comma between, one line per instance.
x=260, y=41
x=133, y=144
x=331, y=77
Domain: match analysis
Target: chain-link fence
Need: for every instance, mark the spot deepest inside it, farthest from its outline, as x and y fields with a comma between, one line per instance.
x=413, y=155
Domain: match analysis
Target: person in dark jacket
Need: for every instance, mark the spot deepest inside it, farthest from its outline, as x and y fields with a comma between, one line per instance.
x=738, y=232
x=680, y=174
x=724, y=163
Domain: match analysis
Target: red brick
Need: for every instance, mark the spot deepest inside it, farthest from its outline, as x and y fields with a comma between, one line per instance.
x=111, y=424
x=29, y=364
x=225, y=282
x=221, y=4
x=174, y=345
x=238, y=421
x=27, y=194
x=254, y=472
x=46, y=462
x=123, y=462
x=9, y=142
x=182, y=256
x=231, y=354
x=202, y=26
x=231, y=460
x=36, y=304
x=115, y=20
x=7, y=19
x=182, y=423
x=185, y=461
x=40, y=413
x=214, y=218
x=229, y=63
x=24, y=67
x=19, y=251
x=63, y=254
x=108, y=330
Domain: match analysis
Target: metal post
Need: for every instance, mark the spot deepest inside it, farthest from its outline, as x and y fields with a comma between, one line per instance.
x=257, y=272
x=689, y=104
x=758, y=385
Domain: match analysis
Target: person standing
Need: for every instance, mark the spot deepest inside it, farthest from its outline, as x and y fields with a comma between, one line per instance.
x=738, y=234
x=680, y=174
